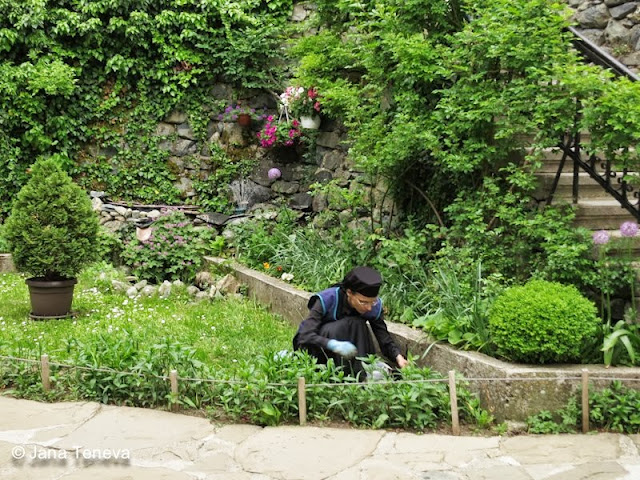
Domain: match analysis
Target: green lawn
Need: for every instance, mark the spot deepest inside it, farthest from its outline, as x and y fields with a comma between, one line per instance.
x=224, y=332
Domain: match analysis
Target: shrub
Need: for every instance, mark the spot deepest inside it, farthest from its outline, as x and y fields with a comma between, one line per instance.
x=4, y=245
x=174, y=250
x=52, y=228
x=542, y=322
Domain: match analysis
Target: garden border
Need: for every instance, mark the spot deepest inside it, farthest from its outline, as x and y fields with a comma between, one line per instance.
x=6, y=263
x=512, y=399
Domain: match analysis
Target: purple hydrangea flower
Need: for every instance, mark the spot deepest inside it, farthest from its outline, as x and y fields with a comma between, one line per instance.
x=274, y=173
x=629, y=229
x=600, y=237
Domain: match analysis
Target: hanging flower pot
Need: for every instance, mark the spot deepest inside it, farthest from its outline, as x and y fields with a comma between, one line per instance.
x=311, y=122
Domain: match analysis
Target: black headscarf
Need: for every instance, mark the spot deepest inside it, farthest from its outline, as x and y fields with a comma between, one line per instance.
x=363, y=280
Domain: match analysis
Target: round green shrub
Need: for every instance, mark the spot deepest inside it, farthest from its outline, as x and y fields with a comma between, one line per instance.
x=52, y=228
x=542, y=322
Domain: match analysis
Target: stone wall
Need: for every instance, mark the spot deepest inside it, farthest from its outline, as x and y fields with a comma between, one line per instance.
x=190, y=159
x=614, y=25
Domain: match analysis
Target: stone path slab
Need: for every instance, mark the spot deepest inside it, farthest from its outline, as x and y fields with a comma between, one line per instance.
x=73, y=441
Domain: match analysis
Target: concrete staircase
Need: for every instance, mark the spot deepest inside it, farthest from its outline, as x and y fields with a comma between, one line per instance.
x=596, y=209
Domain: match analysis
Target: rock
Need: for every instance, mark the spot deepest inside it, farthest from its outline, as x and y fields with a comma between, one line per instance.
x=213, y=218
x=113, y=225
x=119, y=286
x=617, y=34
x=140, y=285
x=185, y=131
x=227, y=284
x=148, y=291
x=516, y=428
x=299, y=13
x=192, y=290
x=96, y=204
x=121, y=211
x=176, y=117
x=594, y=17
x=214, y=292
x=332, y=160
x=301, y=201
x=201, y=296
x=178, y=283
x=184, y=147
x=204, y=280
x=185, y=187
x=164, y=129
x=164, y=290
x=331, y=139
x=322, y=175
x=132, y=292
x=623, y=10
x=287, y=188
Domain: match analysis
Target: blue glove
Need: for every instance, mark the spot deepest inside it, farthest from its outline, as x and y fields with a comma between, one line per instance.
x=344, y=349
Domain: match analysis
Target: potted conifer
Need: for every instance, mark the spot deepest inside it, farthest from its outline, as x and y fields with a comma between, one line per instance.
x=51, y=233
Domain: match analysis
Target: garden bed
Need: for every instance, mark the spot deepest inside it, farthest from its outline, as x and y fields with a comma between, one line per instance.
x=508, y=391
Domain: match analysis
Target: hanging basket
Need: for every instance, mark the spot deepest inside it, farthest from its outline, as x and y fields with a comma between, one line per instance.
x=310, y=122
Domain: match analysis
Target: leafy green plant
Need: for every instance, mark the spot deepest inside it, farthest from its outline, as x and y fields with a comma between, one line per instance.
x=615, y=408
x=462, y=314
x=52, y=228
x=622, y=334
x=270, y=396
x=138, y=376
x=174, y=250
x=542, y=322
x=564, y=420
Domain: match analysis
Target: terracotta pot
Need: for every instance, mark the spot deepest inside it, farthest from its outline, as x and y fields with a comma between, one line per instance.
x=50, y=298
x=244, y=119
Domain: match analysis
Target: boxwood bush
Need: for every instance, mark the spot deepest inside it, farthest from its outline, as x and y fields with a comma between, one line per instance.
x=542, y=322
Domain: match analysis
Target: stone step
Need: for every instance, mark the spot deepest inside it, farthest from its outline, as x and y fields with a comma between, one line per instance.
x=588, y=188
x=601, y=214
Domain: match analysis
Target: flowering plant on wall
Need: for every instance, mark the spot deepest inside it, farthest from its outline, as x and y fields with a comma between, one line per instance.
x=279, y=133
x=232, y=112
x=300, y=101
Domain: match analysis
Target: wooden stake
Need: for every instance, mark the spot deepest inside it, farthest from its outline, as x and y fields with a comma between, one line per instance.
x=173, y=377
x=302, y=400
x=585, y=400
x=453, y=395
x=44, y=372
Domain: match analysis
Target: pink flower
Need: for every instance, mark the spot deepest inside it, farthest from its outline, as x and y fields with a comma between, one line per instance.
x=601, y=237
x=629, y=229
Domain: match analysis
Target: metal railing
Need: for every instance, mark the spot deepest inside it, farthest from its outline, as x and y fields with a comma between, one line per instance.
x=611, y=179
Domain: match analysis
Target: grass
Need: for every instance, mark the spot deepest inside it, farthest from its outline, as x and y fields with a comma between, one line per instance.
x=223, y=331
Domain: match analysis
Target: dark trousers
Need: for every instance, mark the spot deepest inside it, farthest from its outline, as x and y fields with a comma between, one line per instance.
x=351, y=329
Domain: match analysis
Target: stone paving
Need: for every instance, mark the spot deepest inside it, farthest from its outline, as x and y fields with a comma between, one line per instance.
x=73, y=441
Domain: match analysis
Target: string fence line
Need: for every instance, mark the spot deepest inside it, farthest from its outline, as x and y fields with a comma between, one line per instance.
x=459, y=377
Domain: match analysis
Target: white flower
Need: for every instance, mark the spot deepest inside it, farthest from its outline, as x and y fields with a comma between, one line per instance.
x=287, y=277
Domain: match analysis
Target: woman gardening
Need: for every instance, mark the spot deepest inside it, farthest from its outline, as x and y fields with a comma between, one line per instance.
x=336, y=326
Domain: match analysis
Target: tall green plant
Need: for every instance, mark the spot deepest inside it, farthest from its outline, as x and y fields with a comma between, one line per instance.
x=52, y=228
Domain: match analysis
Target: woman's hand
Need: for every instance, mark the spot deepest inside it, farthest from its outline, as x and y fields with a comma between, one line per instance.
x=401, y=361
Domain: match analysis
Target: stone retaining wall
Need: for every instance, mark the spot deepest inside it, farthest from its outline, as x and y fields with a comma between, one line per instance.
x=504, y=392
